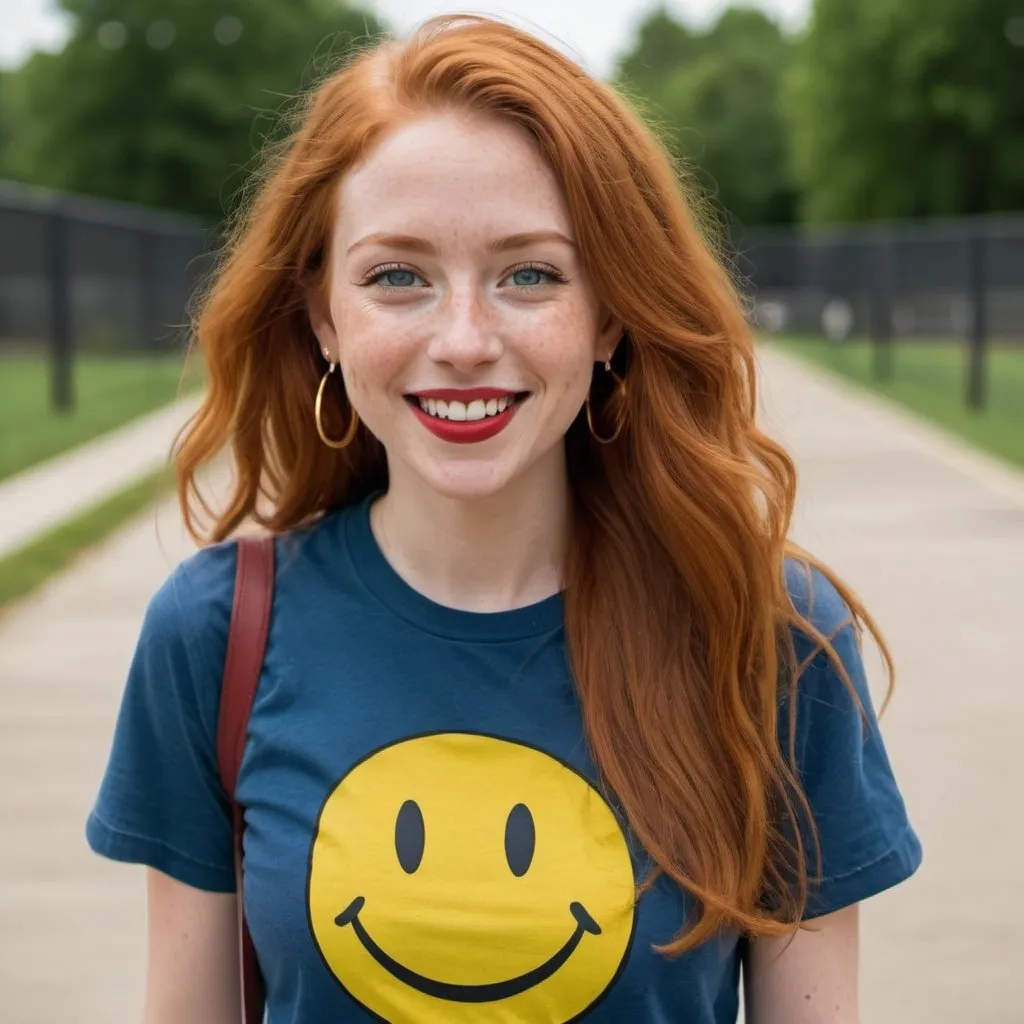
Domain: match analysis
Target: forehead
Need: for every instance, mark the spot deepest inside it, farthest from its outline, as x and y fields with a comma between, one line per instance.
x=452, y=173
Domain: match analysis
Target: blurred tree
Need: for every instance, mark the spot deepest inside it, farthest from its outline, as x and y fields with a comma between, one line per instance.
x=11, y=89
x=908, y=108
x=662, y=44
x=6, y=120
x=166, y=103
x=715, y=98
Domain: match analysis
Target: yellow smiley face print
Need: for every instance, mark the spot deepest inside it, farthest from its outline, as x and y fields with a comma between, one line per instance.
x=459, y=877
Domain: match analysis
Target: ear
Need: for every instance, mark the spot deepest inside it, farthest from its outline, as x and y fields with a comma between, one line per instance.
x=323, y=326
x=610, y=331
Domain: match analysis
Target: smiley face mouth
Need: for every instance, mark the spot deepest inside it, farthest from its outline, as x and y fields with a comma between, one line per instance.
x=469, y=993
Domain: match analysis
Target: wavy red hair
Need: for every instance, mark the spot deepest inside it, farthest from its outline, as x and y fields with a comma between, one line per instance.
x=678, y=618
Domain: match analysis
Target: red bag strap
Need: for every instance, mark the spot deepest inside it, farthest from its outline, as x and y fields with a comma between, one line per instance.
x=247, y=641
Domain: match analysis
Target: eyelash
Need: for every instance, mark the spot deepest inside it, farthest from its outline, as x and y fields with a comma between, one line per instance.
x=376, y=273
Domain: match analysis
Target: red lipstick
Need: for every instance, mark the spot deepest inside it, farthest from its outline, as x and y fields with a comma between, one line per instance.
x=464, y=431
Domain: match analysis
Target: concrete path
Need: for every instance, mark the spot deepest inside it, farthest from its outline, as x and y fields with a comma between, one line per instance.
x=45, y=496
x=931, y=535
x=72, y=927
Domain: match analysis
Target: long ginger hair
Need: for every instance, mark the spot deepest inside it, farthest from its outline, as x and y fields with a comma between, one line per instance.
x=677, y=615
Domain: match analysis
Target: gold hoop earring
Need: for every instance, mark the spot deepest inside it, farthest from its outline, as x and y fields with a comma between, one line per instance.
x=352, y=427
x=620, y=384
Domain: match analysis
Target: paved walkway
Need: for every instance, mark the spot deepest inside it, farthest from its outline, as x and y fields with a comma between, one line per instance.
x=53, y=492
x=931, y=535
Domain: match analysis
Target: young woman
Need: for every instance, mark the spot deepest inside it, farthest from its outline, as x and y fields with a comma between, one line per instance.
x=553, y=723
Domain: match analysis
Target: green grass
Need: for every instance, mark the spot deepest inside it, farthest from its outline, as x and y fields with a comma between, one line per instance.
x=25, y=569
x=930, y=378
x=109, y=392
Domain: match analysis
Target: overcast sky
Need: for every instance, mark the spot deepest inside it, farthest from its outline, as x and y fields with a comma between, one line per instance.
x=575, y=25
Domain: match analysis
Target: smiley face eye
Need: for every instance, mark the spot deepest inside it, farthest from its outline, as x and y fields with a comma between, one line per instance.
x=520, y=840
x=409, y=836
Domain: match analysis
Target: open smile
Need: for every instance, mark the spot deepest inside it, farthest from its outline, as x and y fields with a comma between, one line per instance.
x=465, y=416
x=469, y=993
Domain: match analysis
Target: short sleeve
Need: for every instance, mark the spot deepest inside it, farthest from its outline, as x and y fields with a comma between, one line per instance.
x=867, y=843
x=160, y=802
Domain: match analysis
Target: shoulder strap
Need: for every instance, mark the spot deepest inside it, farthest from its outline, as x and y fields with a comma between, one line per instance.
x=243, y=663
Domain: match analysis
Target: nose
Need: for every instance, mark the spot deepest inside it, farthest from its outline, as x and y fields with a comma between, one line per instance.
x=465, y=336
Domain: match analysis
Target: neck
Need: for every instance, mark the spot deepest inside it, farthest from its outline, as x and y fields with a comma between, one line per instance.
x=488, y=554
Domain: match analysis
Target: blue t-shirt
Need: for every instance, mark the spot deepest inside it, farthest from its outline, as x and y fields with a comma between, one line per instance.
x=426, y=840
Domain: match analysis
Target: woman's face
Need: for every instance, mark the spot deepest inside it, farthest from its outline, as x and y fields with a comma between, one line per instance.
x=458, y=307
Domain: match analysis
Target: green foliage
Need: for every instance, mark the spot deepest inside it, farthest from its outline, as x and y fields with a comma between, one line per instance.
x=166, y=104
x=662, y=44
x=908, y=108
x=715, y=98
x=8, y=84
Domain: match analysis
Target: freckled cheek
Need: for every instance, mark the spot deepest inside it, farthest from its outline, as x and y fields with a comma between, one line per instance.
x=563, y=358
x=374, y=357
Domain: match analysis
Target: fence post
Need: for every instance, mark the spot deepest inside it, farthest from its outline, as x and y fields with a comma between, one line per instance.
x=978, y=339
x=149, y=286
x=58, y=259
x=881, y=308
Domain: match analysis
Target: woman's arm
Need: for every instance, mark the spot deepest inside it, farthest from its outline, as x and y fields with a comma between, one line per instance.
x=193, y=955
x=812, y=980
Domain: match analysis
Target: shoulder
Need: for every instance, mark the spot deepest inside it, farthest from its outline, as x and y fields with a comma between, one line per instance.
x=826, y=700
x=830, y=675
x=816, y=598
x=196, y=599
x=198, y=591
x=190, y=614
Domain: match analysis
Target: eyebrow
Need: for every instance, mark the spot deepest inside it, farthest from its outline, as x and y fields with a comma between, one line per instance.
x=410, y=243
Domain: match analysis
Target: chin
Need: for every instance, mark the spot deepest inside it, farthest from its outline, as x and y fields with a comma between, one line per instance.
x=467, y=481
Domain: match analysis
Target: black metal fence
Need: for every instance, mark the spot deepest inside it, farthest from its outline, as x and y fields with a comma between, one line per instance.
x=954, y=279
x=87, y=276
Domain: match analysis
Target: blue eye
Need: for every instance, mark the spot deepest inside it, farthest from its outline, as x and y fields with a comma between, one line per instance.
x=534, y=276
x=397, y=278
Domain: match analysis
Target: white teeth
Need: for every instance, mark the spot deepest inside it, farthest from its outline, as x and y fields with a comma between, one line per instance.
x=478, y=409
